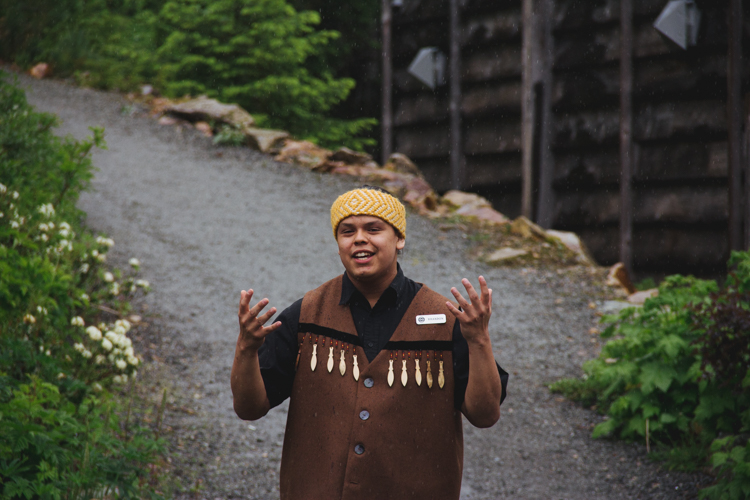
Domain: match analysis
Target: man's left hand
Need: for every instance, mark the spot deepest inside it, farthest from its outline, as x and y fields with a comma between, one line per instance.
x=475, y=316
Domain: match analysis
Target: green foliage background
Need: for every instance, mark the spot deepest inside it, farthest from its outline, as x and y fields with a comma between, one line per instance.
x=261, y=54
x=60, y=432
x=680, y=367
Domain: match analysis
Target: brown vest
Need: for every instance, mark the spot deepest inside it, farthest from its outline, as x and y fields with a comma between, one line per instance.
x=365, y=439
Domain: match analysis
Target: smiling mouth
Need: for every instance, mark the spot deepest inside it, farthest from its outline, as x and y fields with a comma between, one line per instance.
x=363, y=255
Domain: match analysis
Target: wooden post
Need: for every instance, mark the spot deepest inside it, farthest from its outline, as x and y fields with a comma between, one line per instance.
x=734, y=115
x=626, y=135
x=530, y=71
x=458, y=175
x=387, y=105
x=536, y=160
x=545, y=200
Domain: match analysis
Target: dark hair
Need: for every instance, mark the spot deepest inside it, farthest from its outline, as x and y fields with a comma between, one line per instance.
x=375, y=188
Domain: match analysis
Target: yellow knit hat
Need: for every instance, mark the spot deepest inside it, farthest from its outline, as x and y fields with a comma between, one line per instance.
x=366, y=201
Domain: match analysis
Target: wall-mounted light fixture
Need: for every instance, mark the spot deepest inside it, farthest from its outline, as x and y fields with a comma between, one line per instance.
x=429, y=67
x=679, y=22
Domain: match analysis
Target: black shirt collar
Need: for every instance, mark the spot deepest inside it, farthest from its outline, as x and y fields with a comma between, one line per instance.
x=397, y=285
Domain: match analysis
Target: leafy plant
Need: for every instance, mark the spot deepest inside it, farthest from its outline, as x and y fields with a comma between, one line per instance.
x=678, y=370
x=733, y=464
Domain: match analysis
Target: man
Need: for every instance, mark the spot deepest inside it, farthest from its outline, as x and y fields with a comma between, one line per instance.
x=378, y=368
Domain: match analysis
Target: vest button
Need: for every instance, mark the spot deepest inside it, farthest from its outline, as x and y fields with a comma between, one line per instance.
x=359, y=449
x=364, y=414
x=369, y=382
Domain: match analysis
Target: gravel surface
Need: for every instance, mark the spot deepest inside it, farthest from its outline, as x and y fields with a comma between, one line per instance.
x=207, y=222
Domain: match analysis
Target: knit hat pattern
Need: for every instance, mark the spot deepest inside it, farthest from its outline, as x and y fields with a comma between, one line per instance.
x=365, y=201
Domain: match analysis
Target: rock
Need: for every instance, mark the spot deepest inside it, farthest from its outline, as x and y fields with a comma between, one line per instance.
x=524, y=227
x=159, y=105
x=640, y=297
x=205, y=128
x=614, y=306
x=504, y=254
x=351, y=157
x=147, y=90
x=206, y=109
x=573, y=243
x=401, y=163
x=41, y=70
x=618, y=277
x=265, y=140
x=167, y=120
x=483, y=213
x=460, y=199
x=303, y=153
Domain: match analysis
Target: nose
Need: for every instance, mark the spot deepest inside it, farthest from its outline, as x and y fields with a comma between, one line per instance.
x=360, y=236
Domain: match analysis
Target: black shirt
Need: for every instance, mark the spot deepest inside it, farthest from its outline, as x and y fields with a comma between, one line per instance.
x=375, y=326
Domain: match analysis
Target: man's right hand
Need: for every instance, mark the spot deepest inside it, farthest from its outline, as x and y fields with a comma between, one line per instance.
x=252, y=331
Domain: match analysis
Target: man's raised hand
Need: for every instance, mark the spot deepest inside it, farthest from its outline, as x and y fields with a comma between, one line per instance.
x=475, y=316
x=252, y=331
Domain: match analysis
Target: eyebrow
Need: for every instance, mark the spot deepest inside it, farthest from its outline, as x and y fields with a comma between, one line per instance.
x=349, y=225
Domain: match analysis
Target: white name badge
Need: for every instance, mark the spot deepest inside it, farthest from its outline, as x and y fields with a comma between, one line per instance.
x=431, y=319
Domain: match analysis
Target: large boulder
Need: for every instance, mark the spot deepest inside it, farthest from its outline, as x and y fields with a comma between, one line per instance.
x=527, y=229
x=266, y=140
x=203, y=109
x=303, y=153
x=504, y=254
x=573, y=243
x=618, y=277
x=467, y=201
x=401, y=163
x=350, y=157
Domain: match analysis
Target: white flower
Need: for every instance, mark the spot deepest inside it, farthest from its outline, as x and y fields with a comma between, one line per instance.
x=51, y=225
x=142, y=283
x=85, y=296
x=78, y=347
x=134, y=262
x=64, y=233
x=119, y=329
x=112, y=336
x=123, y=323
x=102, y=326
x=77, y=321
x=121, y=364
x=133, y=360
x=134, y=374
x=14, y=224
x=84, y=268
x=47, y=209
x=120, y=380
x=15, y=195
x=44, y=237
x=64, y=243
x=109, y=277
x=3, y=189
x=29, y=319
x=41, y=310
x=86, y=353
x=129, y=353
x=101, y=257
x=99, y=359
x=114, y=289
x=116, y=352
x=94, y=252
x=94, y=333
x=61, y=375
x=1, y=215
x=41, y=348
x=48, y=352
x=108, y=242
x=65, y=226
x=97, y=387
x=43, y=227
x=106, y=344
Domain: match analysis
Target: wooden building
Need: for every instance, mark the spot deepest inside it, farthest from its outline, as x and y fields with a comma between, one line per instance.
x=540, y=111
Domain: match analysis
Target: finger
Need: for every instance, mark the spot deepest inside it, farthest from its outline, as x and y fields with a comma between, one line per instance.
x=266, y=316
x=473, y=296
x=245, y=299
x=257, y=308
x=460, y=298
x=268, y=329
x=458, y=314
x=484, y=289
x=489, y=303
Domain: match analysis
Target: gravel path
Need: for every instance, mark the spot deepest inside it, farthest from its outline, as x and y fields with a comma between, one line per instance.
x=207, y=222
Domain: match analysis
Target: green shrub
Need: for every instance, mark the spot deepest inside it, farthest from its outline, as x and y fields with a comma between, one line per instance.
x=733, y=465
x=255, y=53
x=679, y=365
x=59, y=431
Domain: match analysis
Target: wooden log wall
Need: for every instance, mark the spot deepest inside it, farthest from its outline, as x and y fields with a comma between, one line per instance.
x=679, y=130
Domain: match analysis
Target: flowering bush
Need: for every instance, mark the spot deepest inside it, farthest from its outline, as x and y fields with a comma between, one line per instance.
x=57, y=415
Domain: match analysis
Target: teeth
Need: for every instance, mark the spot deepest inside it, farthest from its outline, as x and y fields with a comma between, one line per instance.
x=360, y=255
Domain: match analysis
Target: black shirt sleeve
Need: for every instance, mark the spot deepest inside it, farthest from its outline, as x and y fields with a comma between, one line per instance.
x=461, y=368
x=278, y=355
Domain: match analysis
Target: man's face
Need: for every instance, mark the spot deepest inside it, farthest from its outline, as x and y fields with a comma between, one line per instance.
x=368, y=247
